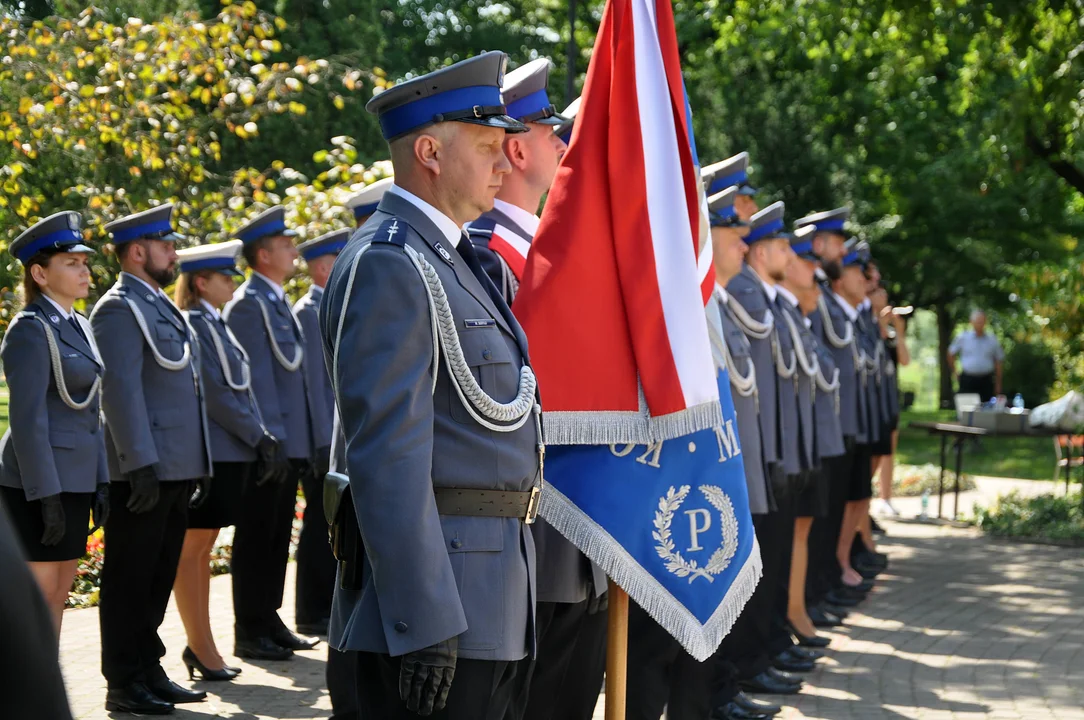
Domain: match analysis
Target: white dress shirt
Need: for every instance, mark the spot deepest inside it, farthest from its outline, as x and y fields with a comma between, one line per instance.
x=279, y=291
x=65, y=313
x=527, y=222
x=445, y=224
x=852, y=313
x=209, y=309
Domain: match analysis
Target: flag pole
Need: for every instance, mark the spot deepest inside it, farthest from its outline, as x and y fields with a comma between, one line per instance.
x=617, y=651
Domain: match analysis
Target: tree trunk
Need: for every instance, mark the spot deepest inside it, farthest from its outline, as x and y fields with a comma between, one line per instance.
x=945, y=326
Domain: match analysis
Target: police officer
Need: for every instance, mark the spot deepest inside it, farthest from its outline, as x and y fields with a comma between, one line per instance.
x=260, y=317
x=755, y=644
x=158, y=447
x=732, y=172
x=564, y=130
x=364, y=203
x=315, y=563
x=567, y=588
x=731, y=349
x=442, y=452
x=52, y=457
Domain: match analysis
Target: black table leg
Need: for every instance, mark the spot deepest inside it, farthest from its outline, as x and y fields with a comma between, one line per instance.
x=959, y=471
x=941, y=478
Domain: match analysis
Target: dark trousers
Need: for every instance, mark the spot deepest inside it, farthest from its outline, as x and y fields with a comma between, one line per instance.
x=724, y=680
x=582, y=683
x=824, y=570
x=747, y=645
x=342, y=684
x=543, y=677
x=981, y=384
x=315, y=563
x=261, y=549
x=661, y=675
x=137, y=578
x=778, y=638
x=481, y=689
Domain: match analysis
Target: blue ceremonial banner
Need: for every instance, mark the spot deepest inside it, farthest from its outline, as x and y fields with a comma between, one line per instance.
x=669, y=522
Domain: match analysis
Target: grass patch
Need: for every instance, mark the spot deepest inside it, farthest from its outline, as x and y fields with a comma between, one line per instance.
x=1012, y=457
x=1046, y=518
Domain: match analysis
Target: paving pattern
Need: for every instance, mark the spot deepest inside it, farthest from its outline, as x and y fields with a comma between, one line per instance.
x=960, y=627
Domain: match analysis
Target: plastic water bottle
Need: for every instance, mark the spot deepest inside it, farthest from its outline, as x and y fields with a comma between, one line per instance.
x=1018, y=402
x=925, y=505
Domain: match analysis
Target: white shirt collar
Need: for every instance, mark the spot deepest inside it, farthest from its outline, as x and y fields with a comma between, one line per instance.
x=275, y=287
x=723, y=294
x=528, y=222
x=852, y=313
x=788, y=295
x=866, y=304
x=209, y=309
x=445, y=224
x=769, y=289
x=67, y=315
x=146, y=284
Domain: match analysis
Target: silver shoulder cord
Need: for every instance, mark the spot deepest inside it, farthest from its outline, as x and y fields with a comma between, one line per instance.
x=508, y=278
x=752, y=328
x=163, y=362
x=58, y=368
x=220, y=349
x=486, y=411
x=858, y=355
x=745, y=386
x=287, y=365
x=810, y=365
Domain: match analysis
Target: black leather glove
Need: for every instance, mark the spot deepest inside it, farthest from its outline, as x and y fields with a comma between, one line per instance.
x=52, y=514
x=272, y=463
x=201, y=489
x=100, y=509
x=597, y=603
x=425, y=677
x=144, y=482
x=322, y=463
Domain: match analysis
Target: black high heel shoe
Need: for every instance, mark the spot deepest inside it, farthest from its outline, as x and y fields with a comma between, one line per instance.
x=813, y=641
x=193, y=664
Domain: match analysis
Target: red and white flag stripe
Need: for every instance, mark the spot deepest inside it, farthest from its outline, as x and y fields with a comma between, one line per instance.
x=511, y=247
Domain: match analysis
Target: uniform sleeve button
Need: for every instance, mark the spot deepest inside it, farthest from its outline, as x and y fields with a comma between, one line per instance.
x=456, y=544
x=400, y=627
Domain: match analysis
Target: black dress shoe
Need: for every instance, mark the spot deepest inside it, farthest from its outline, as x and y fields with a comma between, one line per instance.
x=734, y=711
x=261, y=649
x=761, y=706
x=821, y=618
x=171, y=692
x=839, y=612
x=803, y=653
x=136, y=698
x=765, y=682
x=868, y=572
x=791, y=664
x=813, y=641
x=783, y=676
x=287, y=639
x=841, y=598
x=316, y=628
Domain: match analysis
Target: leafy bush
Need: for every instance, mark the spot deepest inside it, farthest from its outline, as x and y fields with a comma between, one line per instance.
x=1044, y=517
x=1030, y=371
x=913, y=480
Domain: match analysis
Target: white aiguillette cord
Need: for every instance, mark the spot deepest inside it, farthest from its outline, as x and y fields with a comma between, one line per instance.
x=58, y=367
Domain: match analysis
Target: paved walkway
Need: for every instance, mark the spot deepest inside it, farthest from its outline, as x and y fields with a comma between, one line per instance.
x=960, y=627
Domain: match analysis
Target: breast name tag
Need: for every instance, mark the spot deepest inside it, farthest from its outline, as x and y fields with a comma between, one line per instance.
x=487, y=322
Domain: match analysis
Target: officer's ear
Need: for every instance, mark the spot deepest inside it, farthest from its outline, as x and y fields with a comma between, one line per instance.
x=515, y=149
x=430, y=146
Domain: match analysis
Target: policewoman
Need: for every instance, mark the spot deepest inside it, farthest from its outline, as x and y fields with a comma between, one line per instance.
x=52, y=463
x=261, y=318
x=315, y=563
x=159, y=458
x=238, y=441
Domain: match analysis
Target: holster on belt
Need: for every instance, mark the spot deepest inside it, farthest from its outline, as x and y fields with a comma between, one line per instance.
x=343, y=531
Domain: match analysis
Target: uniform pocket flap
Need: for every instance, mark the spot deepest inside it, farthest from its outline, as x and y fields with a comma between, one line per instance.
x=167, y=331
x=62, y=438
x=484, y=346
x=167, y=418
x=472, y=534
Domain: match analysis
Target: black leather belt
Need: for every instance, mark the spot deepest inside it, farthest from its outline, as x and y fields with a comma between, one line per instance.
x=488, y=503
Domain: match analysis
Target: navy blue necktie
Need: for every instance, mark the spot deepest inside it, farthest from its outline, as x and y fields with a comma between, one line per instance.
x=75, y=324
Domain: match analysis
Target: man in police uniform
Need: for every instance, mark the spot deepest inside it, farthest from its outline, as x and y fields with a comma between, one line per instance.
x=315, y=563
x=502, y=238
x=442, y=452
x=260, y=316
x=732, y=172
x=158, y=450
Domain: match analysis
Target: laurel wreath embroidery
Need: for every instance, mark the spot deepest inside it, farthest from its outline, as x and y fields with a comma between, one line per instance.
x=664, y=517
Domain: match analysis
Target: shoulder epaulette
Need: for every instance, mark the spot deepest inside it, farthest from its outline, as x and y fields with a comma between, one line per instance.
x=391, y=232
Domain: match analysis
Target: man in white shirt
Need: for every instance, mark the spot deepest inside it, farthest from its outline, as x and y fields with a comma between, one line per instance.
x=981, y=359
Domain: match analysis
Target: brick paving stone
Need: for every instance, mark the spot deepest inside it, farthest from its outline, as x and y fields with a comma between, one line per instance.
x=960, y=627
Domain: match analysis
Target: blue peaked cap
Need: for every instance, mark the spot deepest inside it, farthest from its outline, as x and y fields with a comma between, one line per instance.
x=60, y=231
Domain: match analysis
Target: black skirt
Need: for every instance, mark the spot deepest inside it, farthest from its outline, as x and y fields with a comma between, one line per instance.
x=861, y=485
x=813, y=499
x=223, y=505
x=884, y=445
x=29, y=527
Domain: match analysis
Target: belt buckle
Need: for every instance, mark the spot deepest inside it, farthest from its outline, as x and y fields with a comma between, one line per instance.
x=532, y=505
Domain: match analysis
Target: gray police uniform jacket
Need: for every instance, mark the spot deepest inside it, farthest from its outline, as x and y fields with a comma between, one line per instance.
x=232, y=417
x=745, y=290
x=153, y=415
x=281, y=393
x=564, y=573
x=826, y=404
x=806, y=384
x=427, y=577
x=834, y=325
x=307, y=312
x=723, y=330
x=872, y=388
x=50, y=447
x=790, y=427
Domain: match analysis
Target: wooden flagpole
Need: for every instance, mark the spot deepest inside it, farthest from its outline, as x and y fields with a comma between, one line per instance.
x=617, y=652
